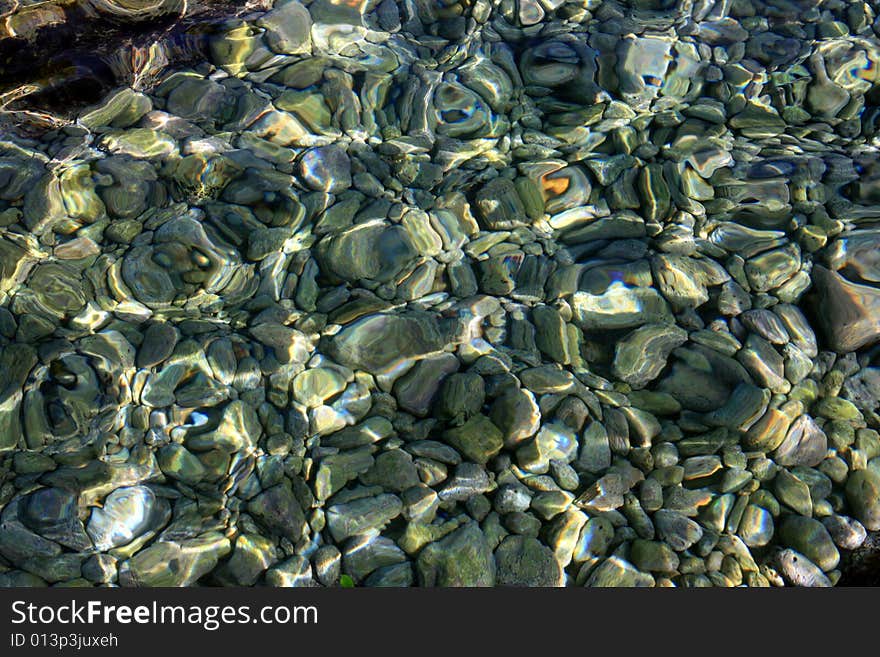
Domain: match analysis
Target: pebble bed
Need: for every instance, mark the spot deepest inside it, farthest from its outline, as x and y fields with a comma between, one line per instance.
x=456, y=293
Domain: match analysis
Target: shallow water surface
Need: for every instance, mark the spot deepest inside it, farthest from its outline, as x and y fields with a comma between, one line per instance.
x=453, y=293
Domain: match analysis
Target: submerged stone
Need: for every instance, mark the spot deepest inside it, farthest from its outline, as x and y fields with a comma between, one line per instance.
x=641, y=356
x=463, y=558
x=384, y=342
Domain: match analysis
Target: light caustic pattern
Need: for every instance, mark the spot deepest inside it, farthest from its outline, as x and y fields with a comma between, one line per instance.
x=530, y=292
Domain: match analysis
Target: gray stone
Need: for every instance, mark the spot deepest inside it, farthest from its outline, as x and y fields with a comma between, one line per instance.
x=336, y=470
x=676, y=529
x=461, y=396
x=809, y=537
x=595, y=450
x=378, y=343
x=160, y=338
x=463, y=558
x=509, y=498
x=327, y=562
x=53, y=514
x=100, y=569
x=653, y=556
x=362, y=515
x=398, y=575
x=166, y=563
x=863, y=495
x=326, y=169
x=469, y=480
x=641, y=356
x=848, y=311
x=364, y=554
x=800, y=571
x=278, y=510
x=847, y=533
x=617, y=572
x=288, y=28
x=416, y=391
x=295, y=572
x=393, y=470
x=252, y=554
x=523, y=561
x=478, y=439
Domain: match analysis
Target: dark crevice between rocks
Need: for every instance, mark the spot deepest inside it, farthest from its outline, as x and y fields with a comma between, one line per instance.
x=861, y=567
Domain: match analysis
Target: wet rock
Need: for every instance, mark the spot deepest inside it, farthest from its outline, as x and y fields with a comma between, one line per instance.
x=478, y=439
x=463, y=558
x=653, y=556
x=848, y=310
x=800, y=571
x=468, y=481
x=378, y=343
x=804, y=444
x=393, y=470
x=159, y=342
x=365, y=554
x=863, y=495
x=126, y=514
x=595, y=449
x=810, y=538
x=166, y=563
x=522, y=561
x=516, y=413
x=756, y=527
x=677, y=530
x=326, y=169
x=278, y=510
x=461, y=396
x=100, y=569
x=315, y=386
x=417, y=390
x=553, y=442
x=313, y=290
x=641, y=356
x=362, y=515
x=499, y=205
x=54, y=514
x=617, y=572
x=287, y=28
x=336, y=470
x=620, y=307
x=292, y=573
x=398, y=575
x=251, y=556
x=847, y=533
x=371, y=250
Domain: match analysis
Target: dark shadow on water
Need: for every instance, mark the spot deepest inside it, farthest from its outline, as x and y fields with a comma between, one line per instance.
x=71, y=61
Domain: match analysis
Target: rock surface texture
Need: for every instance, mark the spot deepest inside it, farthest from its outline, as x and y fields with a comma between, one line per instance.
x=470, y=293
